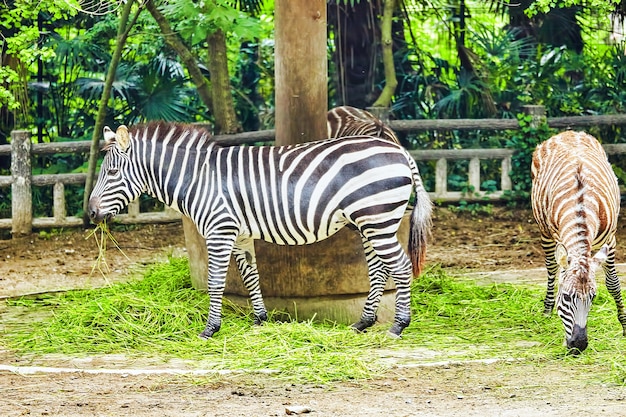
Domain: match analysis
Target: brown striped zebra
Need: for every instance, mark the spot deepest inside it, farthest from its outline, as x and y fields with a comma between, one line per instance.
x=349, y=121
x=575, y=201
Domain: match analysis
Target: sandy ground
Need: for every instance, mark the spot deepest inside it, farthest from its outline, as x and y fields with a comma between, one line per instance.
x=497, y=389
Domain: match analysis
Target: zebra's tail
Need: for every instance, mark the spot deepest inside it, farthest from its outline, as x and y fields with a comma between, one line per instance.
x=420, y=223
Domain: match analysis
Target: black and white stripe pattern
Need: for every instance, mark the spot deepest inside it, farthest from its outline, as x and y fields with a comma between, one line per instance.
x=575, y=200
x=349, y=121
x=290, y=195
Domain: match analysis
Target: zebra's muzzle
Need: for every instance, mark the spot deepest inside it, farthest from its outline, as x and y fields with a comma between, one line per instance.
x=578, y=342
x=97, y=215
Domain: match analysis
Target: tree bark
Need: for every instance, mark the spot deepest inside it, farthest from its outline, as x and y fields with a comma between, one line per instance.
x=301, y=70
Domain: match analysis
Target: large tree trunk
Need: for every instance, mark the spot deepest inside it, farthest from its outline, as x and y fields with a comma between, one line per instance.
x=301, y=71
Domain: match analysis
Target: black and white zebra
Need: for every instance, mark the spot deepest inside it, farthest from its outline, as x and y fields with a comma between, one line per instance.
x=289, y=195
x=575, y=201
x=349, y=121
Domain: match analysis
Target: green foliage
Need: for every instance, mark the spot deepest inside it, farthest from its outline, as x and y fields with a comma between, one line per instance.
x=154, y=90
x=196, y=20
x=601, y=7
x=473, y=209
x=20, y=40
x=511, y=70
x=524, y=141
x=6, y=96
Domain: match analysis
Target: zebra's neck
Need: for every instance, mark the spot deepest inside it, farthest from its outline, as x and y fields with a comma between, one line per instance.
x=173, y=163
x=576, y=234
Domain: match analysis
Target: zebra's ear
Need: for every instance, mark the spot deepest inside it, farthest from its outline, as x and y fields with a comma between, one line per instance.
x=122, y=138
x=560, y=254
x=109, y=136
x=601, y=255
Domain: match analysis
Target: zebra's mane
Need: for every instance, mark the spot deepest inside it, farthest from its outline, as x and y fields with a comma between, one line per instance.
x=581, y=188
x=582, y=225
x=158, y=130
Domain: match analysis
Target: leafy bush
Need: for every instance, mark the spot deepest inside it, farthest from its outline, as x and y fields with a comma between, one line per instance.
x=524, y=141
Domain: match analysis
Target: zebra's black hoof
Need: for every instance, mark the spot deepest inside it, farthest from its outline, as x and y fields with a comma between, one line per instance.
x=363, y=324
x=398, y=327
x=260, y=319
x=393, y=335
x=208, y=332
x=622, y=320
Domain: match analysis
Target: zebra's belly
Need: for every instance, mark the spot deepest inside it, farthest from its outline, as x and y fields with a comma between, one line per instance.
x=297, y=234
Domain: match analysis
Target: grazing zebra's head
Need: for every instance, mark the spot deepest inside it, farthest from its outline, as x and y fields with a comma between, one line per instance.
x=577, y=289
x=117, y=185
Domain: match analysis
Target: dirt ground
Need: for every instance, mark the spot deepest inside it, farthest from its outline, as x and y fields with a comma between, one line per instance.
x=502, y=241
x=459, y=390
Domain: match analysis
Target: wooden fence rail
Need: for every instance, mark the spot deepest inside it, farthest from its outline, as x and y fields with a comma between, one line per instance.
x=22, y=180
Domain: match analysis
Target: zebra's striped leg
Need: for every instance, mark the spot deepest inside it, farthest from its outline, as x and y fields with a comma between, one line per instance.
x=549, y=247
x=402, y=279
x=246, y=263
x=378, y=279
x=219, y=249
x=368, y=317
x=614, y=288
x=389, y=257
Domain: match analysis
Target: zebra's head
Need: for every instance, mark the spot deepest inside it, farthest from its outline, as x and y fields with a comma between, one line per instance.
x=117, y=183
x=577, y=289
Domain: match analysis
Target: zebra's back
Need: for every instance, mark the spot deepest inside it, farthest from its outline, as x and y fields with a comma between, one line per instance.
x=572, y=179
x=349, y=121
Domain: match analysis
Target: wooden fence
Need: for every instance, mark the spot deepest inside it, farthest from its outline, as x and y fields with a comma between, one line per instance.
x=22, y=180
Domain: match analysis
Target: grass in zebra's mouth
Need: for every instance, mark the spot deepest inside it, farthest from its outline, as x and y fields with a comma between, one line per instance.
x=102, y=235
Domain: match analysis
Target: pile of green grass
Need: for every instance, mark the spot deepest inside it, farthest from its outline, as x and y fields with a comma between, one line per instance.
x=160, y=316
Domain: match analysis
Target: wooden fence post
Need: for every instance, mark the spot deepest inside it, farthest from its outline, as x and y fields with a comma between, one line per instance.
x=441, y=177
x=473, y=176
x=382, y=113
x=538, y=114
x=58, y=209
x=21, y=192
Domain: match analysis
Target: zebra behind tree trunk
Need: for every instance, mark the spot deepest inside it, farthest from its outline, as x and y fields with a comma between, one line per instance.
x=575, y=201
x=349, y=121
x=289, y=195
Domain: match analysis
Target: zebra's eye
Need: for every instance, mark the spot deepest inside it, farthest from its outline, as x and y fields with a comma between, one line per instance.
x=567, y=298
x=112, y=172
